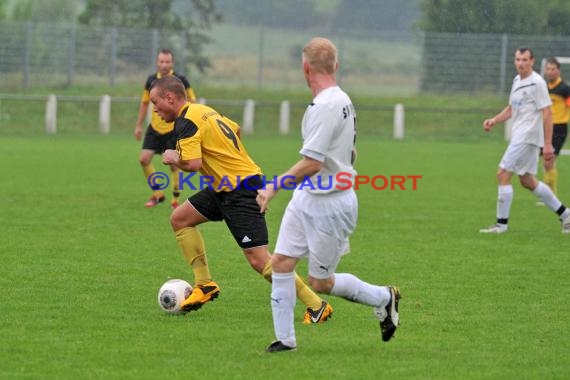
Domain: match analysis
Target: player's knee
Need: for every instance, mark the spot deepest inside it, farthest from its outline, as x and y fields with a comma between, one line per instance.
x=144, y=160
x=257, y=258
x=174, y=222
x=282, y=264
x=528, y=183
x=502, y=177
x=256, y=266
x=321, y=285
x=178, y=221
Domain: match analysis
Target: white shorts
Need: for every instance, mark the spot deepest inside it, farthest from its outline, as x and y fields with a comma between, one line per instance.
x=318, y=227
x=520, y=159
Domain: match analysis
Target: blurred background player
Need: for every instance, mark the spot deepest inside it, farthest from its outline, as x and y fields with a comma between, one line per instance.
x=209, y=143
x=159, y=134
x=559, y=92
x=529, y=109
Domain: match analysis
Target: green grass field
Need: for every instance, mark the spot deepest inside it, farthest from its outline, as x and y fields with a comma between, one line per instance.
x=82, y=261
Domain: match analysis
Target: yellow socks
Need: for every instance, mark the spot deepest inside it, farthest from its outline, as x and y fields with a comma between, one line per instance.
x=304, y=293
x=192, y=245
x=551, y=179
x=175, y=185
x=148, y=170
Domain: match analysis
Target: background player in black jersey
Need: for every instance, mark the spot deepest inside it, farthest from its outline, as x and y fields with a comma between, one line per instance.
x=159, y=134
x=559, y=92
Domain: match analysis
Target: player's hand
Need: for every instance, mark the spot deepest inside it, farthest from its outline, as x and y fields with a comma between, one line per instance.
x=548, y=152
x=170, y=156
x=138, y=133
x=263, y=198
x=488, y=124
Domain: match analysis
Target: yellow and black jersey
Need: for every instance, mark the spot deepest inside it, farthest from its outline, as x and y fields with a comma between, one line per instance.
x=157, y=123
x=201, y=132
x=560, y=94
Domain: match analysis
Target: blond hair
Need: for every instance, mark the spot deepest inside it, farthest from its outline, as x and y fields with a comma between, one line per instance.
x=321, y=54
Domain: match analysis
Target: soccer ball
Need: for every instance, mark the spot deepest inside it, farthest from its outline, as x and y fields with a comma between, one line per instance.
x=172, y=293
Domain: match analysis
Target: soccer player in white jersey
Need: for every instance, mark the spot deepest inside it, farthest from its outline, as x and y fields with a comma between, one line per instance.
x=529, y=108
x=320, y=218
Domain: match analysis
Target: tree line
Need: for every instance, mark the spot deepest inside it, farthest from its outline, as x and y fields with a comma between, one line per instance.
x=524, y=17
x=195, y=18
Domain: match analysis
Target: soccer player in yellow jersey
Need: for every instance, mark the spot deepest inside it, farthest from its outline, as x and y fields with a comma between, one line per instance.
x=559, y=92
x=210, y=143
x=159, y=134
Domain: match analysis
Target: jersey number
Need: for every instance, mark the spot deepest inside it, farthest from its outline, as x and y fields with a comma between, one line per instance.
x=228, y=132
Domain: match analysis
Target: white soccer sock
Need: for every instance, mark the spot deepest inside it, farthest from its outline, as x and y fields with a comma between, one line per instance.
x=282, y=306
x=504, y=200
x=547, y=196
x=354, y=289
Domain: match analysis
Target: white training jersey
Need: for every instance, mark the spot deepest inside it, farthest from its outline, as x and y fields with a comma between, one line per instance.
x=329, y=134
x=528, y=98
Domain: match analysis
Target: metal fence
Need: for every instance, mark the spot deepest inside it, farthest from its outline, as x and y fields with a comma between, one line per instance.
x=393, y=64
x=59, y=55
x=54, y=55
x=378, y=63
x=43, y=54
x=480, y=63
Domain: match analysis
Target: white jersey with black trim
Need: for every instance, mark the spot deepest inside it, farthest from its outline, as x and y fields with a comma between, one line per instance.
x=329, y=134
x=529, y=96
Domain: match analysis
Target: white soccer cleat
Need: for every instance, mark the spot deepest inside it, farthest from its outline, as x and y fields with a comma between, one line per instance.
x=566, y=225
x=496, y=228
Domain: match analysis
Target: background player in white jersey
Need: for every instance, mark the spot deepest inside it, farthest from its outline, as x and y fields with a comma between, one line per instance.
x=318, y=222
x=529, y=108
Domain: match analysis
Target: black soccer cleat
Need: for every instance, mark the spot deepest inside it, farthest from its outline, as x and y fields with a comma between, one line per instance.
x=388, y=316
x=278, y=346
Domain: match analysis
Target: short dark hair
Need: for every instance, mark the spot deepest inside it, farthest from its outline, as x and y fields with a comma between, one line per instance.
x=524, y=49
x=166, y=51
x=553, y=61
x=171, y=84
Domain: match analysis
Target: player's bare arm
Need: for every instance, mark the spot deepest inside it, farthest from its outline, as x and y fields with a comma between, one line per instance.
x=142, y=114
x=502, y=116
x=303, y=168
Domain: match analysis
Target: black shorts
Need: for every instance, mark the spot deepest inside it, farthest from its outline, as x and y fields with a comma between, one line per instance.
x=559, y=133
x=238, y=208
x=157, y=142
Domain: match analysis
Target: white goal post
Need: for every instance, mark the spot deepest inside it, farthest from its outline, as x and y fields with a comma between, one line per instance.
x=563, y=61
